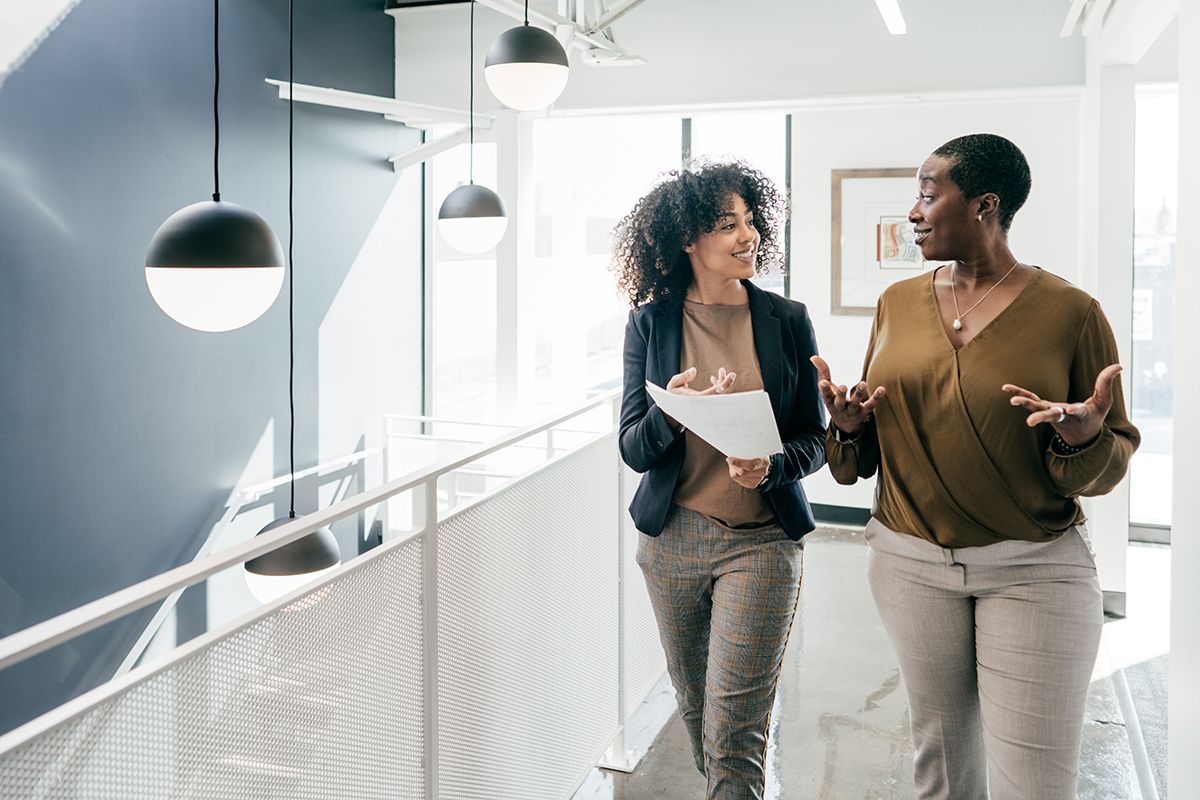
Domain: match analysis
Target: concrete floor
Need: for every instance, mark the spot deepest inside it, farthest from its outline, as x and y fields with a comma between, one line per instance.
x=840, y=725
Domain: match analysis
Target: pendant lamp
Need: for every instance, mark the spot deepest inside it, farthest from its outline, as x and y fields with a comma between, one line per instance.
x=274, y=574
x=526, y=68
x=472, y=218
x=214, y=265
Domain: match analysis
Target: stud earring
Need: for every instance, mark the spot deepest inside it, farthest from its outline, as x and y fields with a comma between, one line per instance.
x=979, y=217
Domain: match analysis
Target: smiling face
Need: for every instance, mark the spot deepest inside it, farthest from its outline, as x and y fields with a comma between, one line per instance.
x=943, y=220
x=728, y=251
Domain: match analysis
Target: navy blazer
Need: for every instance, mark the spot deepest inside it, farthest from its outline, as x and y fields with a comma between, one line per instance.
x=784, y=341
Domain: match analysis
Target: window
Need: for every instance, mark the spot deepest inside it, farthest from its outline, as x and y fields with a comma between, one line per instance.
x=1156, y=184
x=588, y=173
x=463, y=295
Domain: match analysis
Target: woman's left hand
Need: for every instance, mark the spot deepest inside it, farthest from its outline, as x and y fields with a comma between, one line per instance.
x=747, y=472
x=1077, y=423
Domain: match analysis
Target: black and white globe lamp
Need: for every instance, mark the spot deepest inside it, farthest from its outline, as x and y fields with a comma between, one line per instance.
x=526, y=67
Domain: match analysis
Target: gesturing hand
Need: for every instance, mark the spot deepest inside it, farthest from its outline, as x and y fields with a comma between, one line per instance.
x=849, y=408
x=1077, y=423
x=720, y=382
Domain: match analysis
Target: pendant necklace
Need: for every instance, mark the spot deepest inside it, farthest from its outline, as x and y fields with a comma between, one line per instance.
x=954, y=295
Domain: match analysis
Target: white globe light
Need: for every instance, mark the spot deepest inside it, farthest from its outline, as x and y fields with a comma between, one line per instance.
x=473, y=235
x=526, y=68
x=214, y=266
x=214, y=299
x=472, y=219
x=269, y=588
x=526, y=86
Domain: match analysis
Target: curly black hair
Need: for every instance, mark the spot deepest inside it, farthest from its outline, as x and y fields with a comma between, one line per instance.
x=648, y=243
x=985, y=162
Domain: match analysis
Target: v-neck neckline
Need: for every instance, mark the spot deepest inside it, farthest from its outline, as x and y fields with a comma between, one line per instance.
x=937, y=309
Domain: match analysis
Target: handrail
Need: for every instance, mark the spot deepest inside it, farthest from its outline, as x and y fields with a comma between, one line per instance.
x=237, y=501
x=38, y=638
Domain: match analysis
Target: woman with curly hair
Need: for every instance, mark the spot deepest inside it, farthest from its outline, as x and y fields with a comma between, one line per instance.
x=721, y=550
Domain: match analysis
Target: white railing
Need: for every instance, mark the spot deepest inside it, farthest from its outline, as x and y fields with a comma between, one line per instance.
x=239, y=499
x=496, y=650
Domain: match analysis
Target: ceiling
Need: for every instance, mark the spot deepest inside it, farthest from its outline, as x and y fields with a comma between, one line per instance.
x=717, y=51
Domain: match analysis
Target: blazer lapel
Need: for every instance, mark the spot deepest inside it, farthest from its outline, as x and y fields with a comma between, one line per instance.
x=668, y=340
x=768, y=344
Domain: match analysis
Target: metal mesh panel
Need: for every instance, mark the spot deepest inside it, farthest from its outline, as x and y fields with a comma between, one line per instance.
x=528, y=631
x=320, y=699
x=645, y=662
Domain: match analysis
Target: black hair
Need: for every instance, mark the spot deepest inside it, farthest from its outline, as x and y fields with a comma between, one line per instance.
x=648, y=243
x=985, y=162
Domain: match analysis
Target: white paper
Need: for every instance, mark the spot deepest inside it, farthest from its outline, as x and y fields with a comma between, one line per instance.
x=740, y=424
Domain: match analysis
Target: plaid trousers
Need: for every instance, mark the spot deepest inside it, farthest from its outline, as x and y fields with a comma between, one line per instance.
x=724, y=601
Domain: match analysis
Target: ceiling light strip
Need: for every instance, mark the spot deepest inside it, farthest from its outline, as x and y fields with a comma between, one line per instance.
x=890, y=11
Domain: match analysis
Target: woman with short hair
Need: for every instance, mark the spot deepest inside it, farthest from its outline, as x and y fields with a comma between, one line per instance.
x=995, y=406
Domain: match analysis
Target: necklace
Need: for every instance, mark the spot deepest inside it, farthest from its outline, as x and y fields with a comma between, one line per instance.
x=954, y=295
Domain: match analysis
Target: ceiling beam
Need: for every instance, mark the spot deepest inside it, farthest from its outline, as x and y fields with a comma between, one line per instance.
x=615, y=13
x=1072, y=19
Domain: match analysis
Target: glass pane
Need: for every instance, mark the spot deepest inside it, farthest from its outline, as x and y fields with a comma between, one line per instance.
x=1155, y=201
x=760, y=140
x=587, y=176
x=464, y=301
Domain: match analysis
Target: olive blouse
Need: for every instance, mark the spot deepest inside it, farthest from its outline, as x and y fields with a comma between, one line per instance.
x=957, y=464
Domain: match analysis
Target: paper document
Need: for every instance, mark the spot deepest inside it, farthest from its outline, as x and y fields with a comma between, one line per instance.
x=741, y=424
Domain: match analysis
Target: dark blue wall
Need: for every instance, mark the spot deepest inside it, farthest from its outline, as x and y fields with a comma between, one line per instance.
x=121, y=431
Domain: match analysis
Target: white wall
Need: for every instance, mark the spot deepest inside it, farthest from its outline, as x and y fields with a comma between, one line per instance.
x=369, y=340
x=1045, y=125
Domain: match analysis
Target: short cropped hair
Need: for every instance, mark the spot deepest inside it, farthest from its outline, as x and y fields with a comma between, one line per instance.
x=983, y=163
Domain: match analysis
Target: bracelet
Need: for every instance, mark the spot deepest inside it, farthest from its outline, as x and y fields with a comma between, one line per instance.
x=765, y=474
x=1059, y=446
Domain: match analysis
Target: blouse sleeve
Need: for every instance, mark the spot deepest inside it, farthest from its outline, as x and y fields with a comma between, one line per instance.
x=851, y=459
x=1099, y=467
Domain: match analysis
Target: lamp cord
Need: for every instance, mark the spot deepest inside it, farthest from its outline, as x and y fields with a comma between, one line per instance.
x=526, y=12
x=216, y=93
x=291, y=261
x=471, y=103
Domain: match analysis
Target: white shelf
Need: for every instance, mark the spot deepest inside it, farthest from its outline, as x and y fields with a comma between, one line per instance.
x=414, y=115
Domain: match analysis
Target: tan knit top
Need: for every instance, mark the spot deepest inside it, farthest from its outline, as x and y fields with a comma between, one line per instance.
x=957, y=464
x=716, y=336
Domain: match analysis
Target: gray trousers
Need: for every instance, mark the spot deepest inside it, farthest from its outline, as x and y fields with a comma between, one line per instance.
x=996, y=647
x=724, y=601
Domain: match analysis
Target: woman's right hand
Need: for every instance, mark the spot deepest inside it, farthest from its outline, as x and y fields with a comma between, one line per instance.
x=849, y=407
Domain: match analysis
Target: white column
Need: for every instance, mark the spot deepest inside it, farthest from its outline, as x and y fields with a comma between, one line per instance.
x=514, y=258
x=1107, y=272
x=1183, y=694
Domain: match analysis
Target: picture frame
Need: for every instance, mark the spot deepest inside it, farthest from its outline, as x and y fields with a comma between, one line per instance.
x=871, y=238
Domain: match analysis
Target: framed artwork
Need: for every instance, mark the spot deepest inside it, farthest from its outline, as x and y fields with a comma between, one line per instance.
x=871, y=237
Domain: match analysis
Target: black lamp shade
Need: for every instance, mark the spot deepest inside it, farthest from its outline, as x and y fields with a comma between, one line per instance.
x=311, y=553
x=214, y=234
x=472, y=200
x=525, y=44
